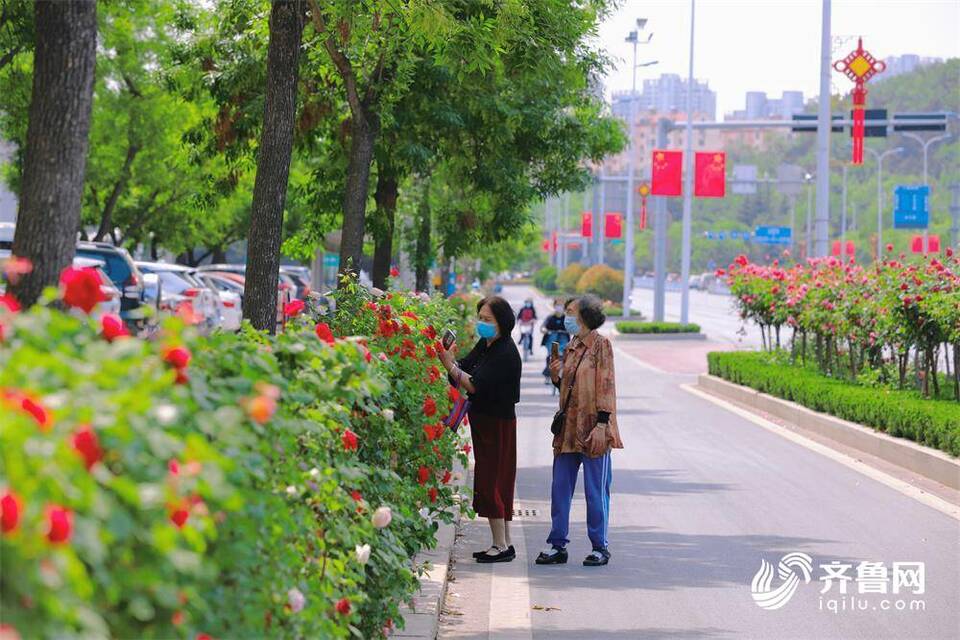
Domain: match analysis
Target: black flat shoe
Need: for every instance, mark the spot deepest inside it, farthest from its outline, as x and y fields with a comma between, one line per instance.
x=556, y=555
x=477, y=554
x=597, y=558
x=505, y=555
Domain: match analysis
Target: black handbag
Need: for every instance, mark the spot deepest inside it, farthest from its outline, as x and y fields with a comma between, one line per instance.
x=560, y=417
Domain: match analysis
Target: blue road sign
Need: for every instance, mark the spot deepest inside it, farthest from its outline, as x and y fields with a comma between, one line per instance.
x=772, y=235
x=911, y=207
x=331, y=260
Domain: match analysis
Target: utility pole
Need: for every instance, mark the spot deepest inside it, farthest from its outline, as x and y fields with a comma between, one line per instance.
x=793, y=225
x=687, y=188
x=660, y=237
x=823, y=137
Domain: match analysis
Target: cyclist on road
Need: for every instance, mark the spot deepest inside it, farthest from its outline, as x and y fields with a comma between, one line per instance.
x=527, y=319
x=553, y=331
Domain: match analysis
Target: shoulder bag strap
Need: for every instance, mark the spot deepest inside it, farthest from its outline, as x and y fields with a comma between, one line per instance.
x=573, y=378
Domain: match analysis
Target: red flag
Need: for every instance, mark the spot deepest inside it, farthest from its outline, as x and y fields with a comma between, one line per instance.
x=710, y=176
x=612, y=226
x=546, y=246
x=835, y=249
x=851, y=248
x=667, y=169
x=933, y=244
x=916, y=244
x=586, y=224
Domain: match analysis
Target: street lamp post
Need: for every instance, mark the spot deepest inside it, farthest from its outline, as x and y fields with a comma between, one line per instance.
x=926, y=145
x=634, y=38
x=687, y=188
x=879, y=158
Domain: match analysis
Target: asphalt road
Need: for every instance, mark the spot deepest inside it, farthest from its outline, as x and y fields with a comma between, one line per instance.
x=701, y=495
x=714, y=313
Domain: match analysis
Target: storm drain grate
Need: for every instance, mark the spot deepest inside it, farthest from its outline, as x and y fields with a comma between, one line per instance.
x=524, y=513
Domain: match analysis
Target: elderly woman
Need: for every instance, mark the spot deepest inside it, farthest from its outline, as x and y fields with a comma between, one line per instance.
x=589, y=431
x=490, y=375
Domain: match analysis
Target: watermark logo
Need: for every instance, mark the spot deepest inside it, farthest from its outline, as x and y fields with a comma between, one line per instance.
x=840, y=581
x=770, y=598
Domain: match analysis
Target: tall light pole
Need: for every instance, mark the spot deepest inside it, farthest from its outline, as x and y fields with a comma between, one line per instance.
x=879, y=158
x=687, y=188
x=634, y=38
x=823, y=137
x=926, y=145
x=808, y=178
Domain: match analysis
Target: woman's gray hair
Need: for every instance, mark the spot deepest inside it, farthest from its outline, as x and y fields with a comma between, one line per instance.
x=591, y=310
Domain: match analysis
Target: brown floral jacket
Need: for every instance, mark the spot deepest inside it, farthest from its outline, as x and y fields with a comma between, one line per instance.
x=594, y=390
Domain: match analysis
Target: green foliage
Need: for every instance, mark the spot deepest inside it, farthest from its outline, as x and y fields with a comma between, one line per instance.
x=629, y=326
x=570, y=276
x=545, y=278
x=602, y=281
x=905, y=414
x=268, y=496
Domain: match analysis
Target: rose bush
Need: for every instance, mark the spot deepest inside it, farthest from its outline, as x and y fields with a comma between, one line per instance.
x=238, y=485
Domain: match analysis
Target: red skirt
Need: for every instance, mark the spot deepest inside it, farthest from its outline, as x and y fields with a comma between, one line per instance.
x=495, y=454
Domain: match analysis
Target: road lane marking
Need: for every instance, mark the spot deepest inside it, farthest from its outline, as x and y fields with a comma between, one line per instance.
x=903, y=487
x=510, y=593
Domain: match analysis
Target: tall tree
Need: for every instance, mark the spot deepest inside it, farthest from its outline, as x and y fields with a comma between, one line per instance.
x=273, y=164
x=57, y=137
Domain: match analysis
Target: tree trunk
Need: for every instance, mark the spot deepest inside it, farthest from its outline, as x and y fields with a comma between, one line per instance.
x=362, y=138
x=273, y=165
x=422, y=259
x=106, y=219
x=386, y=198
x=55, y=158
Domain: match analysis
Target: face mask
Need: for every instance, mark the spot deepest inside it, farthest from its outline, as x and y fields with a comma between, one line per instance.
x=571, y=325
x=558, y=309
x=486, y=329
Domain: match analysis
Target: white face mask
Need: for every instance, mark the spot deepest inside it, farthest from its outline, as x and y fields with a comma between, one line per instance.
x=558, y=309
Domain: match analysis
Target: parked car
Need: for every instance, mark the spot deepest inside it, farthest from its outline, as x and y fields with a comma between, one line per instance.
x=126, y=277
x=6, y=235
x=300, y=276
x=184, y=294
x=694, y=282
x=284, y=290
x=231, y=299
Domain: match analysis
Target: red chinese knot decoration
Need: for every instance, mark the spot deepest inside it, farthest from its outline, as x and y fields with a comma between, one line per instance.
x=644, y=191
x=859, y=66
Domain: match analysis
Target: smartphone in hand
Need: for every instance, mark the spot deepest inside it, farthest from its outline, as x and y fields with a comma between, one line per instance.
x=449, y=337
x=554, y=350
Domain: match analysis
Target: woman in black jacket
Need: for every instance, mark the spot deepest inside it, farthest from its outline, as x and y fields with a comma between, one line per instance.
x=490, y=375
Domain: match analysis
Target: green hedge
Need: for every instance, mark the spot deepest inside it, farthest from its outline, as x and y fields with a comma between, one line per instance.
x=935, y=423
x=632, y=326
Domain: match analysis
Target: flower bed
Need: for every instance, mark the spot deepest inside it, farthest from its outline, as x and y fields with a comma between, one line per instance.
x=854, y=320
x=221, y=487
x=631, y=326
x=906, y=413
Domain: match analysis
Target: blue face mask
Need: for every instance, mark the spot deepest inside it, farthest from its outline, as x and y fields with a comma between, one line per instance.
x=486, y=329
x=571, y=325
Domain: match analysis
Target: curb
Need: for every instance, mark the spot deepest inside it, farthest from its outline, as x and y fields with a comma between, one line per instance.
x=422, y=617
x=926, y=462
x=660, y=336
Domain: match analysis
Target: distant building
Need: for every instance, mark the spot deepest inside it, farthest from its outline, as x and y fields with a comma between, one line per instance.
x=8, y=201
x=906, y=63
x=666, y=94
x=760, y=107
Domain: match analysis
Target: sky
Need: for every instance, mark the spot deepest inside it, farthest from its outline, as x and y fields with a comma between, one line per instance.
x=771, y=45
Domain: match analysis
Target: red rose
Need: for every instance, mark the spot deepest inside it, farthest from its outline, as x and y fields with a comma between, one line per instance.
x=350, y=441
x=367, y=355
x=182, y=377
x=177, y=357
x=112, y=327
x=179, y=517
x=394, y=272
x=423, y=474
x=9, y=302
x=430, y=332
x=433, y=494
x=433, y=373
x=174, y=467
x=429, y=407
x=430, y=432
x=38, y=411
x=177, y=618
x=60, y=523
x=430, y=351
x=343, y=607
x=81, y=288
x=355, y=494
x=293, y=307
x=10, y=508
x=203, y=636
x=889, y=247
x=86, y=444
x=324, y=332
x=446, y=476
x=453, y=394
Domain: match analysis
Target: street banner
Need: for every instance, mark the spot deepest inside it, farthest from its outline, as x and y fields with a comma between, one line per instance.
x=612, y=227
x=711, y=174
x=850, y=248
x=586, y=224
x=666, y=173
x=933, y=244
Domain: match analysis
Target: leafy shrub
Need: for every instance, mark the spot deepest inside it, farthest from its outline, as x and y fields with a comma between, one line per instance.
x=231, y=493
x=905, y=414
x=546, y=278
x=569, y=277
x=602, y=281
x=630, y=326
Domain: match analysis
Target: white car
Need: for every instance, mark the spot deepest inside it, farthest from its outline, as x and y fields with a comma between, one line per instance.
x=183, y=293
x=231, y=299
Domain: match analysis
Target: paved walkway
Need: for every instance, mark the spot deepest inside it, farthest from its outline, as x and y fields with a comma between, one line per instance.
x=701, y=497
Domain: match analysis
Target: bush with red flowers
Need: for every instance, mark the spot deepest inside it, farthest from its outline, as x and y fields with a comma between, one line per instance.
x=231, y=504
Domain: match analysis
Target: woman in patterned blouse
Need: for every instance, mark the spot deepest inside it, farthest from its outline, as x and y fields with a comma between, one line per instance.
x=589, y=431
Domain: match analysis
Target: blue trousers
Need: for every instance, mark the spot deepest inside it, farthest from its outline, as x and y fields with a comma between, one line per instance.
x=597, y=476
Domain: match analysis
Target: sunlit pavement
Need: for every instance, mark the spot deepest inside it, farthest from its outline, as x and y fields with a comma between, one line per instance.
x=700, y=497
